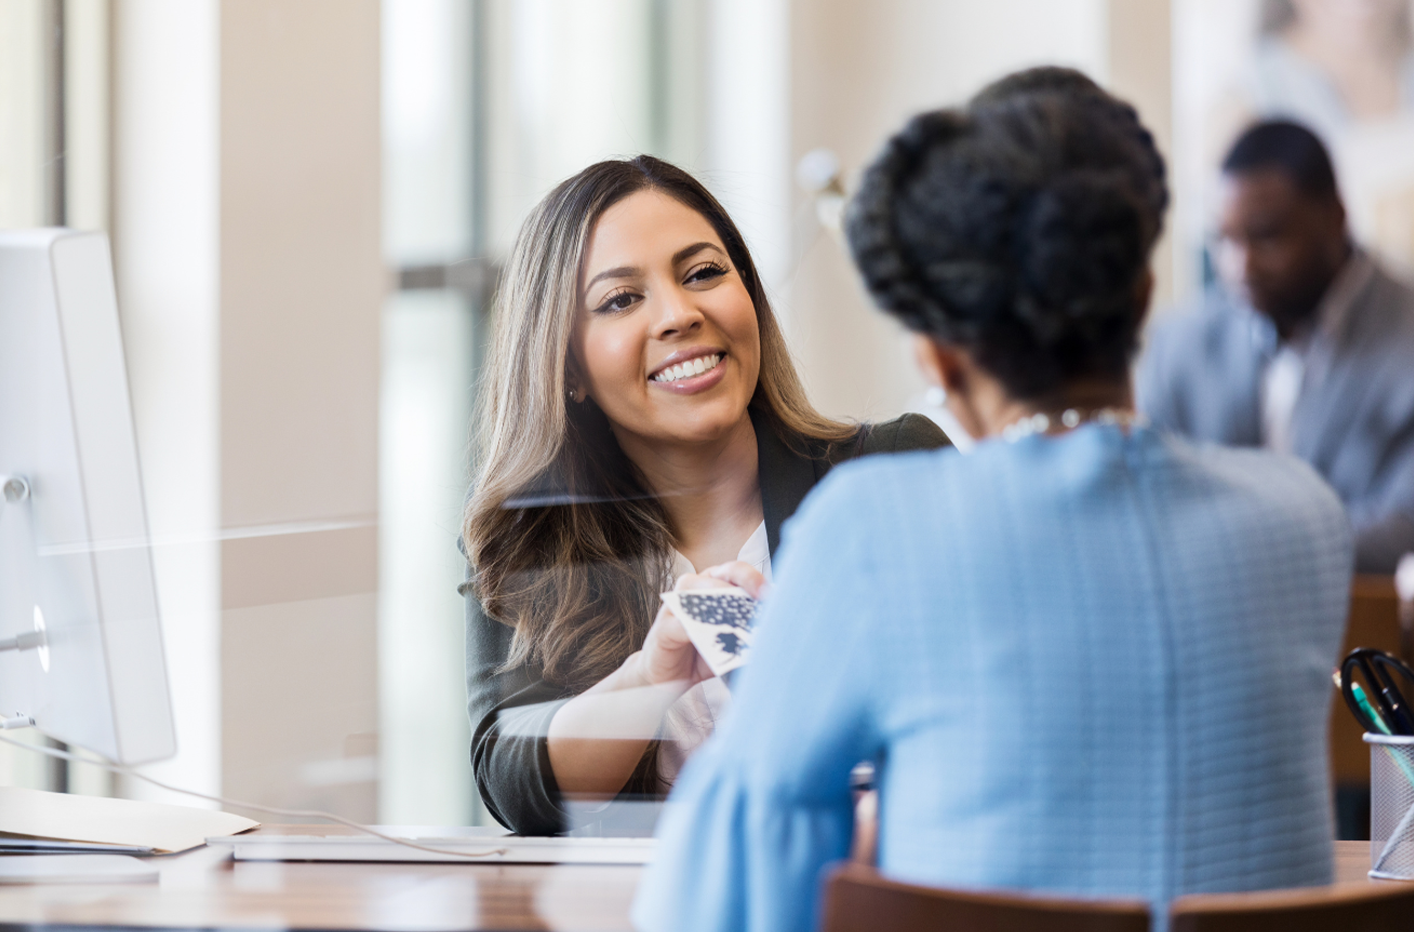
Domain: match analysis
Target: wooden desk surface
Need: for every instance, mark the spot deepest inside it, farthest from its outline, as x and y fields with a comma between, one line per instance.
x=204, y=889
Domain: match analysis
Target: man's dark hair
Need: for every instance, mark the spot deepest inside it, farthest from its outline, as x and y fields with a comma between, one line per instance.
x=1019, y=228
x=1289, y=148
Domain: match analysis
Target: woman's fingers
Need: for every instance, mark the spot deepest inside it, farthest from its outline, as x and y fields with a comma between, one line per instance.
x=668, y=638
x=668, y=630
x=696, y=581
x=668, y=652
x=739, y=574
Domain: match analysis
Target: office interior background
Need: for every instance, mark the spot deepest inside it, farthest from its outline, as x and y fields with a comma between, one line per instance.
x=308, y=201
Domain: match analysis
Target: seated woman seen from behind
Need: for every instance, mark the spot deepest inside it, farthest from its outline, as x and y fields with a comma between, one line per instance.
x=1088, y=658
x=640, y=421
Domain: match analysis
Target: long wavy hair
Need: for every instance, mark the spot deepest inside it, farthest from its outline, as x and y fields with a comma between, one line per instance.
x=567, y=544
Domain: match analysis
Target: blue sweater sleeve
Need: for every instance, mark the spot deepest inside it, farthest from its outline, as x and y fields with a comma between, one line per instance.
x=766, y=804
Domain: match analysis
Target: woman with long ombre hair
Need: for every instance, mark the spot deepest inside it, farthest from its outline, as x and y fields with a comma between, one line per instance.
x=641, y=420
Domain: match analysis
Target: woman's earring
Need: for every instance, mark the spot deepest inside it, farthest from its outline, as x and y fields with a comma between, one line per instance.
x=936, y=396
x=570, y=394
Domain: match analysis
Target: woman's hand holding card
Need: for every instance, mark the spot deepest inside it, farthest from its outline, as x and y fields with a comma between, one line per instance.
x=718, y=617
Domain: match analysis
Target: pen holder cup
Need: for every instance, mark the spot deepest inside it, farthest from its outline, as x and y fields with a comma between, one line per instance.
x=1391, y=806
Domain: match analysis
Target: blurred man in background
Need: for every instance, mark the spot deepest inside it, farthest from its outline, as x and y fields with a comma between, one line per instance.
x=1308, y=346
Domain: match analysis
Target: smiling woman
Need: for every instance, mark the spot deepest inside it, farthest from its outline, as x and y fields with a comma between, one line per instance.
x=641, y=420
x=668, y=344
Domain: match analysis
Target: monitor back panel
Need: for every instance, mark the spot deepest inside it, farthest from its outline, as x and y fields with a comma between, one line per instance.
x=76, y=557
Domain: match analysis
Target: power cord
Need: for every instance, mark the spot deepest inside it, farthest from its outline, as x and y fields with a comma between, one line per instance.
x=292, y=813
x=27, y=640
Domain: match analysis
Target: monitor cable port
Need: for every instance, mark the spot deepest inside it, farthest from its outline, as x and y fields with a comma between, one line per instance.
x=13, y=490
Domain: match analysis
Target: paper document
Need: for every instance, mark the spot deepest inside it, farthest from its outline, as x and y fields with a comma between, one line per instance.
x=27, y=844
x=97, y=819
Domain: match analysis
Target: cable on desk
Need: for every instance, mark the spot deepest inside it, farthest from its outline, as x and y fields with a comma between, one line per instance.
x=293, y=813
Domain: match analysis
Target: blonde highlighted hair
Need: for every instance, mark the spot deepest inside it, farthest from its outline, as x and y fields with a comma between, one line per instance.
x=567, y=544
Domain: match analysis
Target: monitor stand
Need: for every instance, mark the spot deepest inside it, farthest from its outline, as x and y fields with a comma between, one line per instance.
x=75, y=868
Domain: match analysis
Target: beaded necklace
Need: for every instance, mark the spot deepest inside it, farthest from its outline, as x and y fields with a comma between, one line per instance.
x=1070, y=418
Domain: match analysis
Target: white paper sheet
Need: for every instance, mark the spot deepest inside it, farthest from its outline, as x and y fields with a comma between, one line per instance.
x=69, y=817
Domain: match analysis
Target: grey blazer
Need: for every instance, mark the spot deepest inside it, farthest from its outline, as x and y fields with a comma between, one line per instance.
x=511, y=709
x=1354, y=419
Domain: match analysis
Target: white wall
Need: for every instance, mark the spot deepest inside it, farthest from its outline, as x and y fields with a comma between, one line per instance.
x=858, y=71
x=87, y=105
x=424, y=734
x=21, y=113
x=166, y=251
x=427, y=101
x=748, y=126
x=568, y=85
x=22, y=189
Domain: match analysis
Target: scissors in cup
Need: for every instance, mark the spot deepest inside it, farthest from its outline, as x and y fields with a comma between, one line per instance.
x=1381, y=673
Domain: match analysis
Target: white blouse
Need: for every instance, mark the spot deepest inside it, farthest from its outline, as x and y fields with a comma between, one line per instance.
x=693, y=717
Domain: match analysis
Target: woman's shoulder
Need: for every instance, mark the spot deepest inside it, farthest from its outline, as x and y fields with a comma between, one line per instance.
x=1286, y=487
x=1261, y=470
x=900, y=435
x=887, y=468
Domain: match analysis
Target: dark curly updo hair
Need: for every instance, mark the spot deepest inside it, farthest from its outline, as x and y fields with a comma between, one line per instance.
x=1019, y=228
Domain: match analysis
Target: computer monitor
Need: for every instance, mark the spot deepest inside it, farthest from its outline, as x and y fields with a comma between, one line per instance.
x=80, y=639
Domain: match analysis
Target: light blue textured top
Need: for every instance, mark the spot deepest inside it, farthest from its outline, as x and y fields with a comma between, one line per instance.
x=1095, y=664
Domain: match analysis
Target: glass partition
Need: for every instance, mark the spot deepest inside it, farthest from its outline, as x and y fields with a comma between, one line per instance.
x=487, y=104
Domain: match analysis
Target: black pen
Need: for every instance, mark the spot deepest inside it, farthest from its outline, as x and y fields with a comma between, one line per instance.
x=1378, y=669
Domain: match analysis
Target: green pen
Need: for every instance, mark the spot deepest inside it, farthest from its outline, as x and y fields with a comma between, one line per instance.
x=1369, y=710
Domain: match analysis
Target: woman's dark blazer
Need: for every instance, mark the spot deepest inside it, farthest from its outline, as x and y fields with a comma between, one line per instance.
x=511, y=709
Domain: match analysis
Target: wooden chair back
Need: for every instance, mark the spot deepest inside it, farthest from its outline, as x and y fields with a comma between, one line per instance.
x=858, y=899
x=1382, y=907
x=1374, y=622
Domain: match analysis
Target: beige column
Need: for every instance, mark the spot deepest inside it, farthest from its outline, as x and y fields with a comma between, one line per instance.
x=301, y=288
